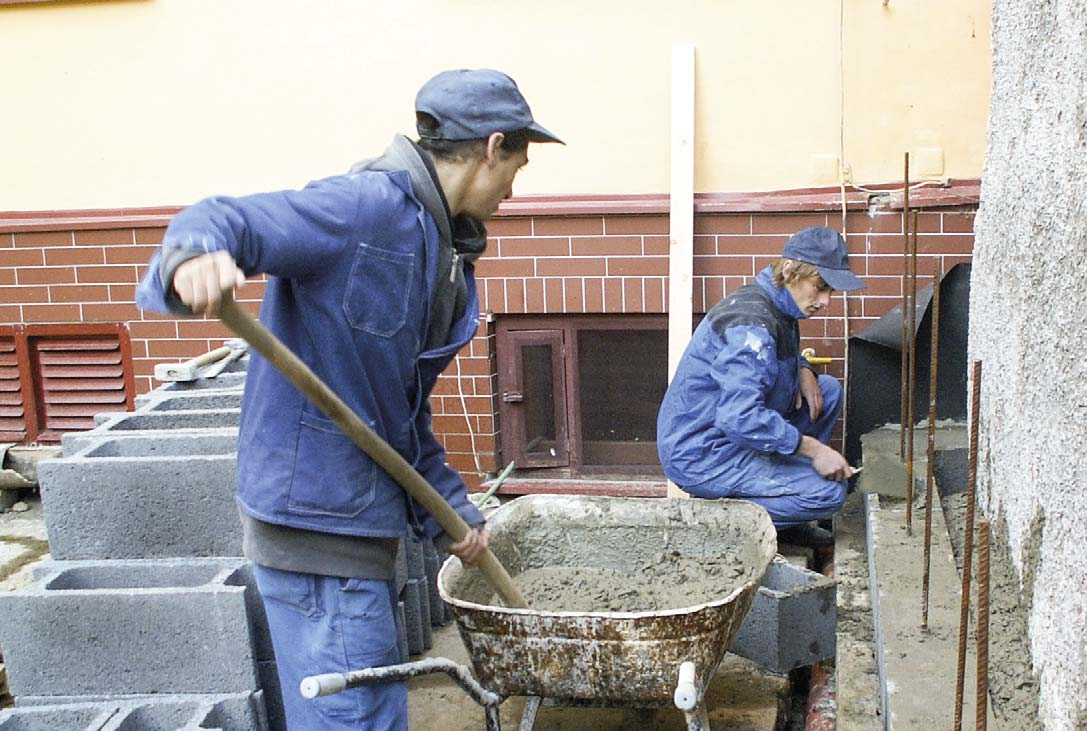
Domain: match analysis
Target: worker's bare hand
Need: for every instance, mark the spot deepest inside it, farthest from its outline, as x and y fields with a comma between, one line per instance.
x=825, y=460
x=471, y=549
x=201, y=282
x=809, y=391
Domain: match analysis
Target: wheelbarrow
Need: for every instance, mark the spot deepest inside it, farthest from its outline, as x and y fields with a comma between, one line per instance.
x=636, y=658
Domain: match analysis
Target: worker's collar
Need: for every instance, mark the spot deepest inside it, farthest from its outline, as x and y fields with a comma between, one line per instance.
x=781, y=297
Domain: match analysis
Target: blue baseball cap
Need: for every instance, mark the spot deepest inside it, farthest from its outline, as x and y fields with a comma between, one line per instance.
x=823, y=248
x=471, y=104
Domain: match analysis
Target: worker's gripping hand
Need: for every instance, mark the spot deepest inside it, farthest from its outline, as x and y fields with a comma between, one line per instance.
x=825, y=460
x=809, y=391
x=471, y=549
x=201, y=282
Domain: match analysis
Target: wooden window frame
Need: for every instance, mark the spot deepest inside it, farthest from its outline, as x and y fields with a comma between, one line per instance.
x=510, y=330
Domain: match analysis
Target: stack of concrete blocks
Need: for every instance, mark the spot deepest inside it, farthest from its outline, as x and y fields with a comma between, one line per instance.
x=148, y=617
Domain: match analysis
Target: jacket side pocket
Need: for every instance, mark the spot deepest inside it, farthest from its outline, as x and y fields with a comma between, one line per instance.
x=332, y=476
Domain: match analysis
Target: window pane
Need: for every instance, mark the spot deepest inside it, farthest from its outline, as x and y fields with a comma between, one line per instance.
x=623, y=375
x=539, y=400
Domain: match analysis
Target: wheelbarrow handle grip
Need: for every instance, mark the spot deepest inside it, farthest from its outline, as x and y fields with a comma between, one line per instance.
x=327, y=684
x=686, y=695
x=279, y=355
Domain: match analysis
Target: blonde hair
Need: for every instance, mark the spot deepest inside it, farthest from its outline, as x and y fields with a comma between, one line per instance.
x=800, y=270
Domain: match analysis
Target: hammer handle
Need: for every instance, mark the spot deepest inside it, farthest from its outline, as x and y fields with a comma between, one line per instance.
x=210, y=357
x=298, y=373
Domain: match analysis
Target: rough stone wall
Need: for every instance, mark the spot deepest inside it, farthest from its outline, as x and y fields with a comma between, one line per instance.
x=1028, y=319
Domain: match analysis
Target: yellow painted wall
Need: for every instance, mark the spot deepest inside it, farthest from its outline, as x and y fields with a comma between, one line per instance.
x=160, y=102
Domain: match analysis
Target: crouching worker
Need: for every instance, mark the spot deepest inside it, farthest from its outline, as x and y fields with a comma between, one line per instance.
x=745, y=416
x=371, y=284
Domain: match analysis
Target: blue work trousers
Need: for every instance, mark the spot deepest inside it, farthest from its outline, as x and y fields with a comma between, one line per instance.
x=786, y=484
x=326, y=624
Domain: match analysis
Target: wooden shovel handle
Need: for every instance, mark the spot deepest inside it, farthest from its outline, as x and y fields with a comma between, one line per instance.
x=275, y=352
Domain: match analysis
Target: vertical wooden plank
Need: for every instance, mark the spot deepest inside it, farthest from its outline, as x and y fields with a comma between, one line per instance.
x=681, y=212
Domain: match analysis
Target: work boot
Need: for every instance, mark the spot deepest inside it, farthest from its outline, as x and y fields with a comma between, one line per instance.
x=808, y=535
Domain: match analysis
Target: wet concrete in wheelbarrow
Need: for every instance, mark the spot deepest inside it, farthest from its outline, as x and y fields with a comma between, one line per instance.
x=668, y=580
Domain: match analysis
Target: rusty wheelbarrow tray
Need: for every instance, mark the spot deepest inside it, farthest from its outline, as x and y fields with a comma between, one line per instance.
x=608, y=658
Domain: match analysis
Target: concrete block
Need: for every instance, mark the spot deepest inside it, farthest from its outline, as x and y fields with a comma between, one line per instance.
x=401, y=632
x=207, y=401
x=885, y=472
x=401, y=575
x=437, y=606
x=75, y=717
x=792, y=620
x=225, y=382
x=240, y=712
x=123, y=627
x=416, y=568
x=141, y=423
x=143, y=497
x=229, y=712
x=273, y=695
x=413, y=621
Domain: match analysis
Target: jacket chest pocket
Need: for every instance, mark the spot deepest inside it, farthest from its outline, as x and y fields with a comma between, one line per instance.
x=379, y=290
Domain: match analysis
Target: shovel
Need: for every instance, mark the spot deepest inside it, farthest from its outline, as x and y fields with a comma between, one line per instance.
x=275, y=352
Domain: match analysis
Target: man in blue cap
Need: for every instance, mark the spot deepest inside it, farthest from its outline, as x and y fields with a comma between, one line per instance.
x=371, y=284
x=745, y=416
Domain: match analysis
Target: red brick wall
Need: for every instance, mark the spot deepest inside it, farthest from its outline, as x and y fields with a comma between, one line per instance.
x=540, y=261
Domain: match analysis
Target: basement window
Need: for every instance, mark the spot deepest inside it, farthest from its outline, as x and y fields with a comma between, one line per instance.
x=55, y=378
x=579, y=395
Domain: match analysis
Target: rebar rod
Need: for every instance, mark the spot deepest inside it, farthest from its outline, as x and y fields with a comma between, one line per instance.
x=905, y=300
x=911, y=369
x=968, y=544
x=981, y=710
x=933, y=380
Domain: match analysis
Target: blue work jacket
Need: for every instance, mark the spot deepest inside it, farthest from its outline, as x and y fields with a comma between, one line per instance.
x=352, y=263
x=734, y=385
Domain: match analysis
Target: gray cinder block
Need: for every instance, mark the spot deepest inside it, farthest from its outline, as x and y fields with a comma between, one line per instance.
x=413, y=621
x=401, y=632
x=416, y=568
x=142, y=423
x=240, y=712
x=226, y=382
x=123, y=627
x=207, y=401
x=75, y=717
x=231, y=712
x=437, y=606
x=792, y=620
x=143, y=497
x=401, y=576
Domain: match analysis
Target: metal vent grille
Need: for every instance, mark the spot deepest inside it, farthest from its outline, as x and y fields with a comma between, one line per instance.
x=55, y=378
x=80, y=377
x=12, y=409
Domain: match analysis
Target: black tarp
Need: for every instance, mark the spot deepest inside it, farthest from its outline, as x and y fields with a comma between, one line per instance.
x=875, y=362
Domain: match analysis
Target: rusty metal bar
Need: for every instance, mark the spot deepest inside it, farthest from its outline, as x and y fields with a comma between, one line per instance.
x=905, y=300
x=981, y=711
x=933, y=380
x=911, y=369
x=968, y=542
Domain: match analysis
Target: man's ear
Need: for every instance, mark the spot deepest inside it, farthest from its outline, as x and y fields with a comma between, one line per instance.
x=787, y=267
x=494, y=142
